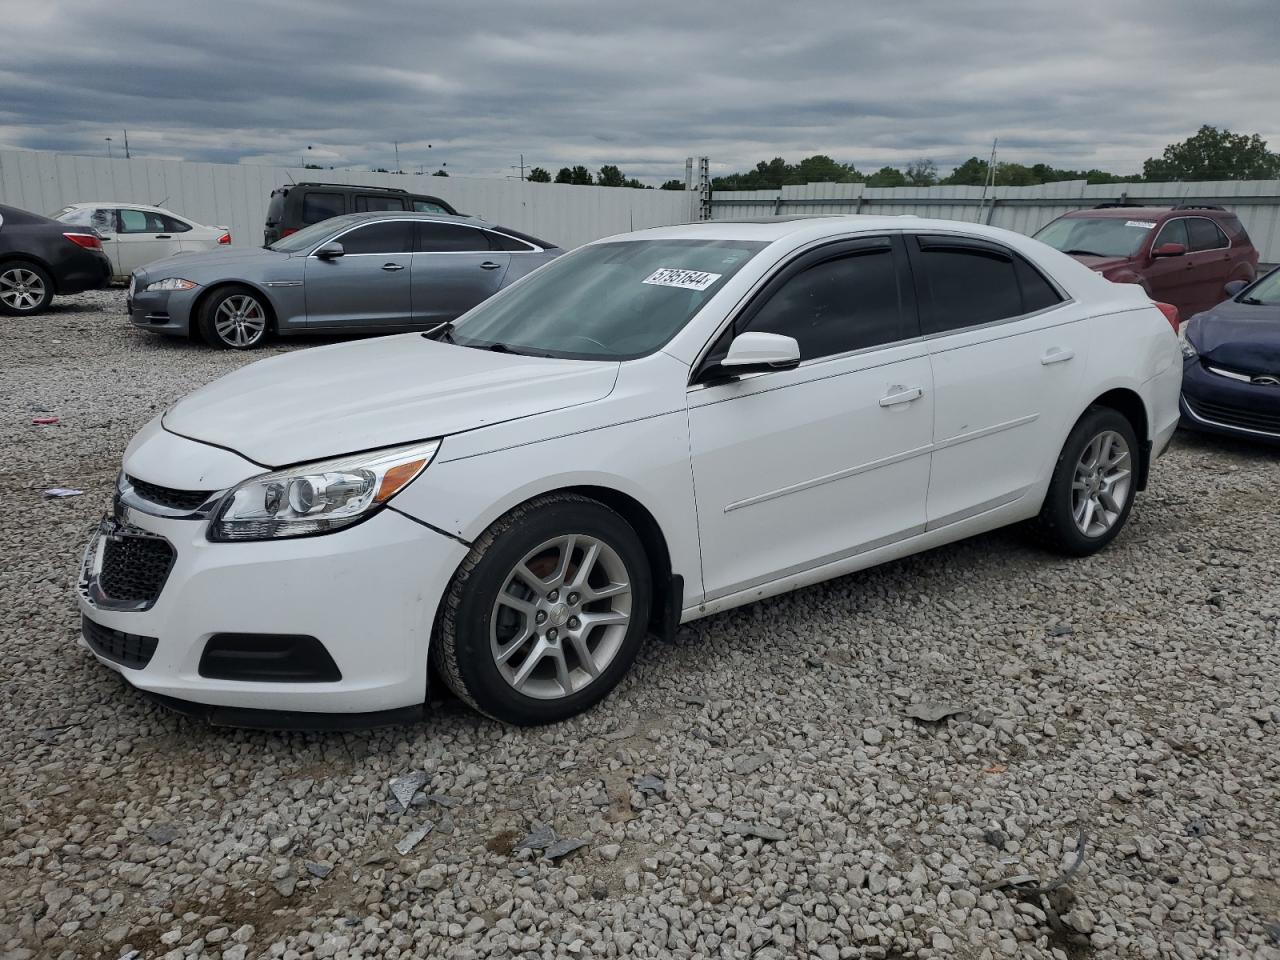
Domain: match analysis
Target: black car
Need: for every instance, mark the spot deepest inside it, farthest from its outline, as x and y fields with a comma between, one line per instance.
x=40, y=257
x=1231, y=376
x=299, y=205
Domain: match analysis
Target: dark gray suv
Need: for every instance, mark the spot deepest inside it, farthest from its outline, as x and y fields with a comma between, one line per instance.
x=298, y=205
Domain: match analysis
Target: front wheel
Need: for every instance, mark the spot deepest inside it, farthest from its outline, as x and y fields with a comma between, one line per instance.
x=235, y=319
x=547, y=612
x=1094, y=484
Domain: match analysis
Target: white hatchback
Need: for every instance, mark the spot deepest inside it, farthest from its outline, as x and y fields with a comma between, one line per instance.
x=651, y=429
x=134, y=235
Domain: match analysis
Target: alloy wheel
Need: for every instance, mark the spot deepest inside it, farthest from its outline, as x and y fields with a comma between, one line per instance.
x=1102, y=483
x=240, y=321
x=561, y=616
x=21, y=289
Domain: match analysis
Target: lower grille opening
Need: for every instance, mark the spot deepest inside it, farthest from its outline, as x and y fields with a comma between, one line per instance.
x=134, y=568
x=1233, y=416
x=267, y=658
x=127, y=649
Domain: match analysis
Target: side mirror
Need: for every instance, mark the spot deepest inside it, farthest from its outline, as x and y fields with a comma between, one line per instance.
x=756, y=352
x=330, y=250
x=1234, y=287
x=1169, y=250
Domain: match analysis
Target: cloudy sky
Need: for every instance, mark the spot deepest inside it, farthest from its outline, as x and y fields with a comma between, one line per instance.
x=1080, y=83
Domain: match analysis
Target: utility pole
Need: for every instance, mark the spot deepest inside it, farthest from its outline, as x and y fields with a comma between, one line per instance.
x=991, y=177
x=522, y=166
x=108, y=139
x=397, y=143
x=126, y=145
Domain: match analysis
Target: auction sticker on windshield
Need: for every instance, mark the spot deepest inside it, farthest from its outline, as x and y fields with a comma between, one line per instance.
x=684, y=279
x=1144, y=224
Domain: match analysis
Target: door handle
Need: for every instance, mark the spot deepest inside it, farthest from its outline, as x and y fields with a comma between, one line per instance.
x=489, y=265
x=163, y=236
x=900, y=394
x=1056, y=355
x=392, y=267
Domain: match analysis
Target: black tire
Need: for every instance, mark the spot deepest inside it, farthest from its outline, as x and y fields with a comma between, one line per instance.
x=230, y=299
x=20, y=281
x=1056, y=526
x=461, y=646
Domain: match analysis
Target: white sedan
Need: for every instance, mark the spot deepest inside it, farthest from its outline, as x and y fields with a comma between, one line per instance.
x=134, y=235
x=651, y=429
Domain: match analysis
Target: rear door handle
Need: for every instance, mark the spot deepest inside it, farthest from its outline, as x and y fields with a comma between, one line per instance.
x=900, y=394
x=163, y=236
x=489, y=265
x=392, y=267
x=1056, y=355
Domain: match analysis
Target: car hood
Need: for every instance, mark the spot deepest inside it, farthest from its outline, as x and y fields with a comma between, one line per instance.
x=329, y=401
x=1239, y=336
x=1100, y=263
x=207, y=265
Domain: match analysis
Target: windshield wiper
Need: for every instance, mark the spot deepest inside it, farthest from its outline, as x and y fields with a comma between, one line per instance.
x=441, y=332
x=1252, y=301
x=1083, y=253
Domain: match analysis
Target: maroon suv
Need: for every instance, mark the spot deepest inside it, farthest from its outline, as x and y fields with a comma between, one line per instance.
x=1183, y=255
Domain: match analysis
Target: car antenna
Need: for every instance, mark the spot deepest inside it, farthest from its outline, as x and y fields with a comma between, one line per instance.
x=161, y=203
x=290, y=176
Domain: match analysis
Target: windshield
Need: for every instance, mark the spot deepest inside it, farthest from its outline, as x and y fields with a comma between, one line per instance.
x=308, y=237
x=1265, y=291
x=1097, y=236
x=607, y=301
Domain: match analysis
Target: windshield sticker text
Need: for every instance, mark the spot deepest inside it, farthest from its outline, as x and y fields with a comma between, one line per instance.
x=684, y=279
x=1144, y=224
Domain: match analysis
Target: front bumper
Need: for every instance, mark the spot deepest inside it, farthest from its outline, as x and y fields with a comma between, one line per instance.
x=1212, y=403
x=161, y=311
x=368, y=593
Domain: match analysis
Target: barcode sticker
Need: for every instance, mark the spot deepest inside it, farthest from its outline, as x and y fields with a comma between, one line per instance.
x=1144, y=224
x=684, y=279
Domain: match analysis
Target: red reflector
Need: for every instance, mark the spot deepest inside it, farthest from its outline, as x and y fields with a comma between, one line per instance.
x=288, y=230
x=225, y=238
x=86, y=240
x=1170, y=313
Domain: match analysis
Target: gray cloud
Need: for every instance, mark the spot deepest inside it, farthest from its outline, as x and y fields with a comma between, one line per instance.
x=1095, y=83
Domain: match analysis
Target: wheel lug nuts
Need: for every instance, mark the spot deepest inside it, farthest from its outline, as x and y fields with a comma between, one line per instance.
x=552, y=634
x=541, y=616
x=574, y=623
x=553, y=596
x=573, y=598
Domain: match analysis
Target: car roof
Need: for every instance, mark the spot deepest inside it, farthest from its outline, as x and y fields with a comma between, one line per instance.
x=802, y=228
x=1129, y=212
x=116, y=204
x=418, y=215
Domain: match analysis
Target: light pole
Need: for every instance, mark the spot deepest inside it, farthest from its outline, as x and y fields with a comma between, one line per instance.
x=108, y=139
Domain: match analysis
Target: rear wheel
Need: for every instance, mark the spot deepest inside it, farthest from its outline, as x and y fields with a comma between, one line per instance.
x=235, y=318
x=547, y=612
x=25, y=288
x=1094, y=484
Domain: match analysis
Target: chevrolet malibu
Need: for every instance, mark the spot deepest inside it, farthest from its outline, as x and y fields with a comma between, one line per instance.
x=651, y=429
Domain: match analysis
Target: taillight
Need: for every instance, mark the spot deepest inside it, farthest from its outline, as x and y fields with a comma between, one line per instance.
x=225, y=239
x=1170, y=313
x=89, y=241
x=288, y=230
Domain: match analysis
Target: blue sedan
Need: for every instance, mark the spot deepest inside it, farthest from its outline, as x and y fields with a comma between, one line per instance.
x=1231, y=375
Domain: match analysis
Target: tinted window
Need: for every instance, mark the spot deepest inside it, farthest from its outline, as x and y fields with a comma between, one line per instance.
x=365, y=204
x=967, y=287
x=321, y=206
x=377, y=238
x=846, y=303
x=172, y=225
x=1205, y=234
x=450, y=238
x=1037, y=292
x=1175, y=231
x=499, y=241
x=425, y=206
x=275, y=209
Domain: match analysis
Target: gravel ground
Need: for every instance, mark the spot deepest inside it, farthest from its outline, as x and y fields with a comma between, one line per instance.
x=754, y=789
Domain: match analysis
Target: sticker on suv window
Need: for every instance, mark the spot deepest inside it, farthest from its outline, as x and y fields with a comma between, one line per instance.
x=1144, y=224
x=684, y=279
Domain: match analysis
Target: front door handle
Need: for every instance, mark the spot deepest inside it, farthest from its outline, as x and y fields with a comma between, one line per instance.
x=392, y=267
x=900, y=394
x=163, y=236
x=489, y=265
x=1056, y=355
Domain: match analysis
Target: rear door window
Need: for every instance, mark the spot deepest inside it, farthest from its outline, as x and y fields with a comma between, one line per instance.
x=141, y=221
x=317, y=206
x=1205, y=234
x=450, y=238
x=173, y=224
x=965, y=286
x=500, y=241
x=376, y=202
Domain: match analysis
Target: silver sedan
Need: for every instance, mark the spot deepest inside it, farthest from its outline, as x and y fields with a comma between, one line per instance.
x=359, y=273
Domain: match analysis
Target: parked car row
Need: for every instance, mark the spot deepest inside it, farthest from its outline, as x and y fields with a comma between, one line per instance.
x=134, y=235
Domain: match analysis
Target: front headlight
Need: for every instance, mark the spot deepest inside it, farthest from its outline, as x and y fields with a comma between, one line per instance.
x=173, y=283
x=1189, y=351
x=318, y=497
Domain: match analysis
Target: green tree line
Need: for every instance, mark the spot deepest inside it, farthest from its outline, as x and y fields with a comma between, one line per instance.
x=607, y=176
x=1210, y=154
